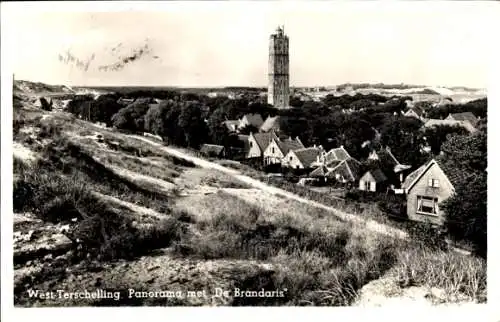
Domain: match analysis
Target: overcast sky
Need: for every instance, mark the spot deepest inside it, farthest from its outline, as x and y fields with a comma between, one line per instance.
x=220, y=44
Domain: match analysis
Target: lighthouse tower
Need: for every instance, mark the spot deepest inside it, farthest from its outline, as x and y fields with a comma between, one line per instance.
x=278, y=93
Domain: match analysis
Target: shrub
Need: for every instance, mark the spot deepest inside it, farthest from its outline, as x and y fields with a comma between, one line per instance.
x=456, y=274
x=46, y=106
x=161, y=234
x=49, y=195
x=312, y=278
x=428, y=235
x=17, y=123
x=107, y=234
x=50, y=130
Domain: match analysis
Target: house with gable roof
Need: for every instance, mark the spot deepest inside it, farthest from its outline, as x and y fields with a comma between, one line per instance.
x=390, y=165
x=332, y=156
x=231, y=125
x=427, y=187
x=346, y=171
x=258, y=143
x=271, y=123
x=336, y=165
x=213, y=150
x=302, y=158
x=373, y=180
x=416, y=112
x=279, y=148
x=463, y=117
x=254, y=120
x=435, y=122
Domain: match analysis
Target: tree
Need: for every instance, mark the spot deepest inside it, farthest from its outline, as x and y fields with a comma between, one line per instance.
x=105, y=107
x=296, y=102
x=468, y=152
x=466, y=209
x=131, y=118
x=163, y=120
x=435, y=136
x=154, y=120
x=394, y=105
x=354, y=131
x=424, y=105
x=193, y=124
x=217, y=130
x=361, y=104
x=477, y=107
x=403, y=136
x=75, y=106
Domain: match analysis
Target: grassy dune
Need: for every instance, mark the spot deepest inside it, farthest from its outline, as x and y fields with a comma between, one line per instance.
x=313, y=257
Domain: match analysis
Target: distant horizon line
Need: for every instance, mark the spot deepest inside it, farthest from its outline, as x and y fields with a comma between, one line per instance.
x=265, y=86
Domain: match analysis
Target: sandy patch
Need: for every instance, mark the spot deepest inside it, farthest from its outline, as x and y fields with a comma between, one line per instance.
x=23, y=153
x=385, y=292
x=368, y=223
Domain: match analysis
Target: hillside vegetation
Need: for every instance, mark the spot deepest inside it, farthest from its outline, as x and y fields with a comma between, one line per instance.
x=95, y=208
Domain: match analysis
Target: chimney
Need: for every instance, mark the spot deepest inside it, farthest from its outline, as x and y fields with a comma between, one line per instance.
x=341, y=146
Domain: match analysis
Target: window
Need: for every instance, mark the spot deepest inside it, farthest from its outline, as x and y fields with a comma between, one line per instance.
x=290, y=158
x=367, y=185
x=272, y=150
x=251, y=144
x=434, y=183
x=427, y=205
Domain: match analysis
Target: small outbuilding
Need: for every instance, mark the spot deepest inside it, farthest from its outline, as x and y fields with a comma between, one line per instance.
x=212, y=150
x=373, y=180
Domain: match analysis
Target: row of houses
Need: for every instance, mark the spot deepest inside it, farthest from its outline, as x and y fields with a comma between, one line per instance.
x=385, y=173
x=425, y=188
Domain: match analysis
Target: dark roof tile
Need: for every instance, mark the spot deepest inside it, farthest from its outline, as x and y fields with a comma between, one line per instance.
x=307, y=155
x=211, y=148
x=287, y=145
x=377, y=175
x=348, y=169
x=254, y=119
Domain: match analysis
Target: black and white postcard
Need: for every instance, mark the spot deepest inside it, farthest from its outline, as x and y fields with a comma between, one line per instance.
x=220, y=154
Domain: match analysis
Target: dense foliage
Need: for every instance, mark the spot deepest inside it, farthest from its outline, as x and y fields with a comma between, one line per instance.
x=478, y=107
x=466, y=211
x=435, y=136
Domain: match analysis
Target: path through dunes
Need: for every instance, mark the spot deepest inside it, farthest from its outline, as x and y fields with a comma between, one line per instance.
x=370, y=224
